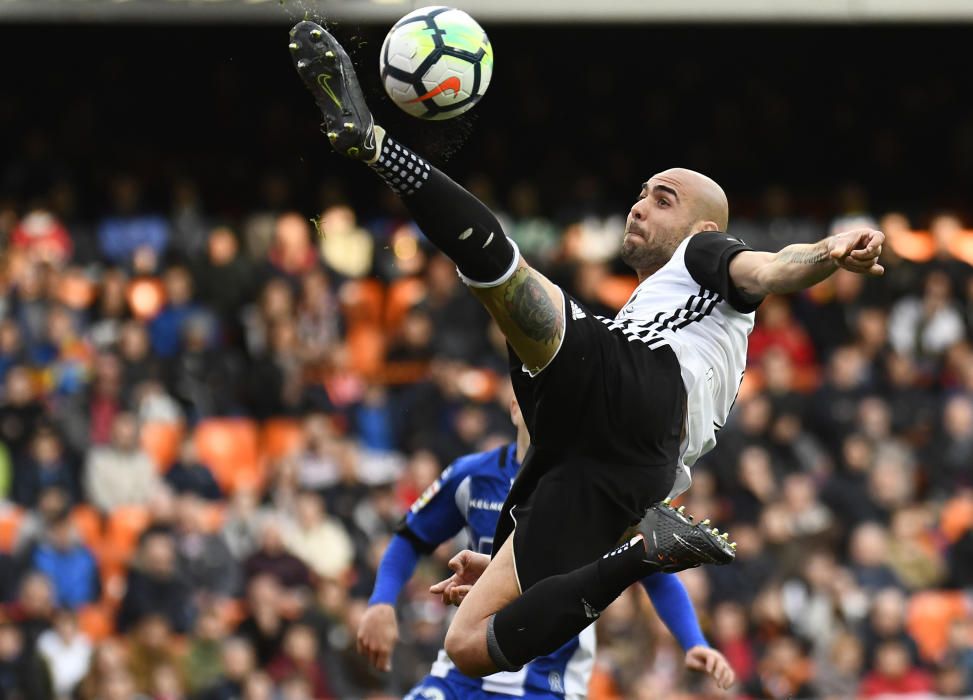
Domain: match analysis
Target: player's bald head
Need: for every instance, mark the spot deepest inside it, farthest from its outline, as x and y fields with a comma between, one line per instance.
x=703, y=197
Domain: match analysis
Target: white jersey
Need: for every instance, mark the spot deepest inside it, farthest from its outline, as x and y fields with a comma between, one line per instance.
x=685, y=305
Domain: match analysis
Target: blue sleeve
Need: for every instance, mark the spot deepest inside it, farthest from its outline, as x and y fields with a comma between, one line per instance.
x=435, y=517
x=398, y=563
x=672, y=603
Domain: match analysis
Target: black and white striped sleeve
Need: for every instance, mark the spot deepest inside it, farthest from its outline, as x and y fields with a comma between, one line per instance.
x=708, y=256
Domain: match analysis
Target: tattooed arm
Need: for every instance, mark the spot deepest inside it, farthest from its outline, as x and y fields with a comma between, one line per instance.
x=800, y=266
x=529, y=309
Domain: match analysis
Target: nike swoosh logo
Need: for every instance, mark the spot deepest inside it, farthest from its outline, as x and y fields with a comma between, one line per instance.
x=451, y=83
x=687, y=545
x=323, y=79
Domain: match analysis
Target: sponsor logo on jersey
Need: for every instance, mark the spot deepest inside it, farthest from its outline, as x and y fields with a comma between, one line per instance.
x=431, y=490
x=484, y=504
x=554, y=681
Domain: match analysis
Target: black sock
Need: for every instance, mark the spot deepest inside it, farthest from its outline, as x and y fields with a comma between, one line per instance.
x=557, y=608
x=455, y=221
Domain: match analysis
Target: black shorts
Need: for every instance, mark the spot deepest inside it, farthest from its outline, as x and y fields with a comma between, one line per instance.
x=605, y=419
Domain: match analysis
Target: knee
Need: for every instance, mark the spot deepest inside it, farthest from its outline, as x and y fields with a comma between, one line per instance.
x=467, y=649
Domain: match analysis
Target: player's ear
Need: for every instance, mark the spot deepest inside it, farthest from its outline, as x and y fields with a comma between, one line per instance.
x=705, y=226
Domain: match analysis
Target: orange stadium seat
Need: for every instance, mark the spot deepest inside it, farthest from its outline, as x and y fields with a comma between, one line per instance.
x=917, y=246
x=124, y=527
x=230, y=448
x=10, y=519
x=87, y=523
x=403, y=294
x=957, y=516
x=962, y=247
x=96, y=621
x=614, y=291
x=362, y=301
x=161, y=440
x=929, y=615
x=280, y=437
x=366, y=349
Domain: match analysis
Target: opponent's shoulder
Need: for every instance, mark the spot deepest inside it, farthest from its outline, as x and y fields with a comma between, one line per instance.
x=480, y=463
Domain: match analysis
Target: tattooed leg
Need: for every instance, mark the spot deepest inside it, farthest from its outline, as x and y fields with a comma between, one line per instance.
x=529, y=309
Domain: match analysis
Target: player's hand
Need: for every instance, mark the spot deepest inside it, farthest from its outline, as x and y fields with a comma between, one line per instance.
x=712, y=662
x=857, y=250
x=377, y=634
x=467, y=568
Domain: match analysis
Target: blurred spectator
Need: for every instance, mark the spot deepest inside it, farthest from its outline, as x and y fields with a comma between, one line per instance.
x=110, y=309
x=914, y=553
x=139, y=364
x=299, y=657
x=778, y=329
x=894, y=673
x=155, y=586
x=840, y=666
x=12, y=350
x=188, y=223
x=730, y=636
x=265, y=625
x=318, y=540
x=46, y=465
x=886, y=623
x=291, y=253
x=120, y=473
x=20, y=411
x=202, y=664
x=242, y=522
x=189, y=476
x=272, y=558
x=128, y=233
x=959, y=655
x=43, y=237
x=238, y=663
x=150, y=648
x=869, y=552
x=66, y=651
x=108, y=661
x=224, y=278
x=345, y=247
x=204, y=560
x=950, y=454
x=33, y=611
x=783, y=671
x=166, y=329
x=924, y=327
x=23, y=674
x=68, y=564
x=318, y=328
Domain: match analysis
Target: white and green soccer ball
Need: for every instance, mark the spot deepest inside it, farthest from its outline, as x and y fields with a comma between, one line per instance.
x=436, y=62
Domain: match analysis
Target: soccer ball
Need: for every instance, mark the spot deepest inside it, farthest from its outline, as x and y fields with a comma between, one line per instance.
x=436, y=63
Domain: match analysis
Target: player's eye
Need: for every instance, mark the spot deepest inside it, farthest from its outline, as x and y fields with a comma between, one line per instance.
x=663, y=202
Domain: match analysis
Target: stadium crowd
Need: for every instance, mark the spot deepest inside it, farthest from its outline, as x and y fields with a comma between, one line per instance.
x=214, y=411
x=208, y=433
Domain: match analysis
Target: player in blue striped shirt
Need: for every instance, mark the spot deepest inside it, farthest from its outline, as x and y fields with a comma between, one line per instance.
x=470, y=493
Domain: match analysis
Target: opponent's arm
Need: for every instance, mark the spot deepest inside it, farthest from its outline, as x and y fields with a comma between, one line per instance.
x=672, y=603
x=432, y=519
x=378, y=631
x=799, y=266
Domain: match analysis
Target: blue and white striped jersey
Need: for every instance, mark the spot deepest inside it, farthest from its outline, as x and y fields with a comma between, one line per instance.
x=470, y=493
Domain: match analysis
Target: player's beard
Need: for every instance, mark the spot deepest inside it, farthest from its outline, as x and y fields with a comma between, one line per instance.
x=642, y=254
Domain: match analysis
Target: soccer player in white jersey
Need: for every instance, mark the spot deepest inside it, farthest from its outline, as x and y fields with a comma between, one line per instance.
x=618, y=409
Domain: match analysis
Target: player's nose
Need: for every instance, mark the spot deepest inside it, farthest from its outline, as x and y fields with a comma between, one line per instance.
x=636, y=211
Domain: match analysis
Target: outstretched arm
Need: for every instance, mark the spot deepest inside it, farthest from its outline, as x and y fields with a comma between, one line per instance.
x=672, y=603
x=379, y=631
x=799, y=266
